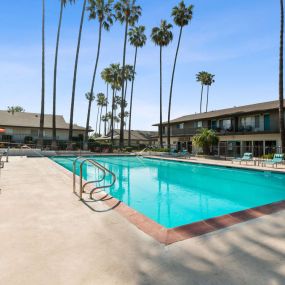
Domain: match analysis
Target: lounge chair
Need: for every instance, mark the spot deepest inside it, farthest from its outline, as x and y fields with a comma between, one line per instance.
x=277, y=159
x=1, y=162
x=5, y=153
x=247, y=156
x=184, y=154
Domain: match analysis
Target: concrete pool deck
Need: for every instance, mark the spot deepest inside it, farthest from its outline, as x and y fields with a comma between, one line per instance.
x=48, y=237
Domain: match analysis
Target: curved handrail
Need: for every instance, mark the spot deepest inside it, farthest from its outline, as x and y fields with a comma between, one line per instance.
x=95, y=164
x=105, y=186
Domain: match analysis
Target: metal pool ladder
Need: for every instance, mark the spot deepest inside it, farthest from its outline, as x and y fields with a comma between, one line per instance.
x=96, y=165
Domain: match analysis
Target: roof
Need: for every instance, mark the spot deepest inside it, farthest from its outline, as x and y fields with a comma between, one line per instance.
x=265, y=106
x=32, y=120
x=135, y=135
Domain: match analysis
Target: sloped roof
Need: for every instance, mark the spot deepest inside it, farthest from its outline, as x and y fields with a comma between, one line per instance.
x=136, y=135
x=265, y=106
x=32, y=120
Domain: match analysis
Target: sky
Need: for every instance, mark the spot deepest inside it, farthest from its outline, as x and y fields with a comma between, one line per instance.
x=236, y=40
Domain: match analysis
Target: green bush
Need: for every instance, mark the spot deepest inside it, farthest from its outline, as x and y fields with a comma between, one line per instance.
x=268, y=156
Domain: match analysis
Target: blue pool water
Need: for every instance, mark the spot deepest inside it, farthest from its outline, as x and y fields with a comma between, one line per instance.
x=176, y=193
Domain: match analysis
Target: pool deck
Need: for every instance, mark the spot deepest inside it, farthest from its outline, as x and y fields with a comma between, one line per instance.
x=48, y=237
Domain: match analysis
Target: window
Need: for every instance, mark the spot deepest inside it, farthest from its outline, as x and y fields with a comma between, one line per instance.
x=180, y=126
x=34, y=132
x=214, y=124
x=227, y=124
x=257, y=122
x=200, y=124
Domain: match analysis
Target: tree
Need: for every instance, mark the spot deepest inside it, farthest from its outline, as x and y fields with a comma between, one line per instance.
x=210, y=80
x=205, y=139
x=90, y=97
x=105, y=75
x=100, y=103
x=15, y=109
x=42, y=116
x=103, y=104
x=182, y=15
x=281, y=96
x=202, y=77
x=62, y=5
x=103, y=11
x=75, y=72
x=126, y=12
x=137, y=38
x=129, y=74
x=161, y=36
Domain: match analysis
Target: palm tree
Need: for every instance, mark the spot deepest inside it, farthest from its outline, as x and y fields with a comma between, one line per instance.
x=62, y=6
x=182, y=15
x=210, y=80
x=103, y=104
x=281, y=97
x=98, y=9
x=115, y=79
x=42, y=117
x=105, y=75
x=202, y=77
x=75, y=72
x=100, y=103
x=205, y=139
x=129, y=74
x=137, y=38
x=90, y=97
x=161, y=36
x=126, y=12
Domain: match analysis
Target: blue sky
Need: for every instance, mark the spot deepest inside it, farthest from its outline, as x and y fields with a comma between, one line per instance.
x=236, y=40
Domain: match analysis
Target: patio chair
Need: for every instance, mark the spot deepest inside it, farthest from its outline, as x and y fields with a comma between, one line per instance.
x=277, y=159
x=1, y=162
x=184, y=154
x=247, y=156
x=5, y=153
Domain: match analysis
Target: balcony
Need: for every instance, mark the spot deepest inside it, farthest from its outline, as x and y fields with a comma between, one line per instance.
x=184, y=132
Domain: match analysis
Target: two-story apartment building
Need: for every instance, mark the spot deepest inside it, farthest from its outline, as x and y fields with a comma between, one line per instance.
x=252, y=128
x=23, y=127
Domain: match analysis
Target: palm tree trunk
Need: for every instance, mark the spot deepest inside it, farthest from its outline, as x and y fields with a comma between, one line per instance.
x=42, y=117
x=281, y=98
x=208, y=88
x=112, y=118
x=100, y=120
x=201, y=99
x=131, y=99
x=171, y=87
x=106, y=111
x=55, y=78
x=125, y=97
x=160, y=119
x=97, y=119
x=75, y=72
x=123, y=86
x=92, y=87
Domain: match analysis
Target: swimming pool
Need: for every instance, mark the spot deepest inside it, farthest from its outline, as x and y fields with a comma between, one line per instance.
x=176, y=193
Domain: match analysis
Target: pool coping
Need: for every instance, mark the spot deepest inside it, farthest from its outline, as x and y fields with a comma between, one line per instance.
x=168, y=236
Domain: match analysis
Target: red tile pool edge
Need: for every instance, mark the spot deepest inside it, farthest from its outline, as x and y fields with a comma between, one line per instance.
x=172, y=235
x=169, y=236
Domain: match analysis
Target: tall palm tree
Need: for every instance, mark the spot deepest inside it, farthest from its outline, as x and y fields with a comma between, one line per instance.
x=115, y=78
x=105, y=75
x=210, y=80
x=281, y=97
x=62, y=6
x=103, y=11
x=182, y=16
x=129, y=74
x=90, y=97
x=126, y=12
x=75, y=72
x=103, y=104
x=100, y=103
x=202, y=78
x=42, y=116
x=161, y=36
x=137, y=38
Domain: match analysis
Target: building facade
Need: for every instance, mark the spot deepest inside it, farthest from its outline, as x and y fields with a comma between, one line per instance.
x=23, y=127
x=253, y=128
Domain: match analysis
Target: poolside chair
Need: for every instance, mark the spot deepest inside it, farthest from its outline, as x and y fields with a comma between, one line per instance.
x=247, y=156
x=5, y=153
x=184, y=154
x=277, y=159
